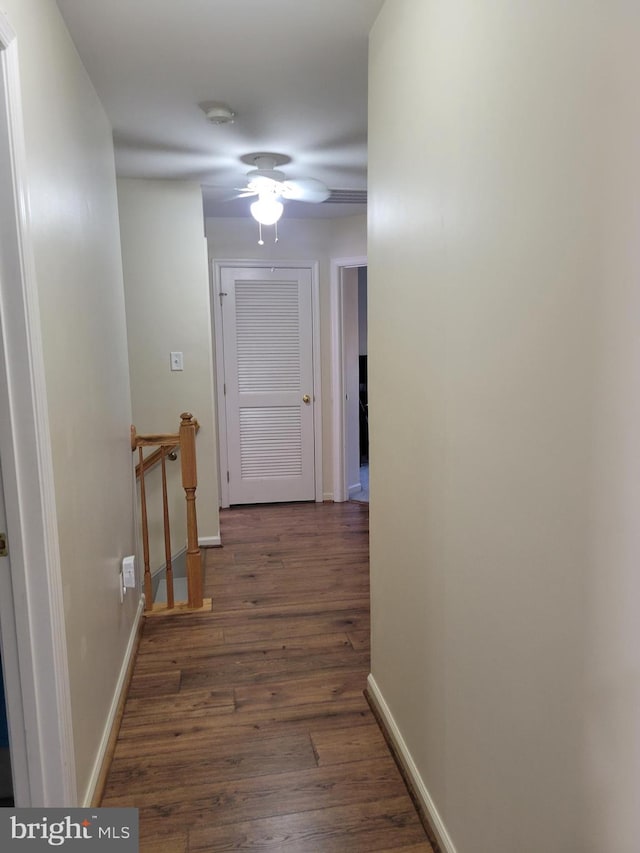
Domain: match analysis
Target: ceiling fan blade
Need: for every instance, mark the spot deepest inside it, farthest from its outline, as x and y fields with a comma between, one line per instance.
x=246, y=193
x=306, y=189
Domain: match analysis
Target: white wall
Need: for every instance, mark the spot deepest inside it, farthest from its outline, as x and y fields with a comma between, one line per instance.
x=300, y=239
x=505, y=409
x=167, y=298
x=73, y=212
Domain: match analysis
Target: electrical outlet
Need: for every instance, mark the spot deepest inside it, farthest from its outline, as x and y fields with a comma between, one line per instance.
x=129, y=572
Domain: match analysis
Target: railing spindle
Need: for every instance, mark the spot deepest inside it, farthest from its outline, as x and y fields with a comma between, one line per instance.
x=167, y=531
x=148, y=591
x=189, y=484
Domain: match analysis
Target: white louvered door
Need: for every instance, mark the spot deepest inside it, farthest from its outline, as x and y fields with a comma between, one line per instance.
x=268, y=366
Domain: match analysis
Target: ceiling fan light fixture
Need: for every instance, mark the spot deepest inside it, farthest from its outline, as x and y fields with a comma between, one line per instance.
x=273, y=175
x=271, y=186
x=267, y=210
x=264, y=185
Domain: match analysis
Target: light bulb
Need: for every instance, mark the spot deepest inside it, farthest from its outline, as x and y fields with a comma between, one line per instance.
x=267, y=210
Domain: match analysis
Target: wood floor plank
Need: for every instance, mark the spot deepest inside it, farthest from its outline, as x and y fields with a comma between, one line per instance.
x=338, y=746
x=361, y=828
x=167, y=733
x=187, y=703
x=256, y=797
x=251, y=599
x=247, y=727
x=360, y=640
x=172, y=843
x=162, y=683
x=187, y=741
x=261, y=669
x=297, y=608
x=169, y=639
x=322, y=688
x=232, y=759
x=263, y=628
x=202, y=655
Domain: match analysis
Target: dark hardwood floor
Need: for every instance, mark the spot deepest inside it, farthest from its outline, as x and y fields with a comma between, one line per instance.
x=246, y=728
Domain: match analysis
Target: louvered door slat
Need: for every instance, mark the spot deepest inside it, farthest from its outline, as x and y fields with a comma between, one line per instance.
x=267, y=336
x=270, y=442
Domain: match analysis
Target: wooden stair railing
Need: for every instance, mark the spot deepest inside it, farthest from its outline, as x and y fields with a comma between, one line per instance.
x=166, y=445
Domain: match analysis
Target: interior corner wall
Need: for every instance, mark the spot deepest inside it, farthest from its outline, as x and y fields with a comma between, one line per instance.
x=168, y=310
x=504, y=393
x=314, y=239
x=74, y=227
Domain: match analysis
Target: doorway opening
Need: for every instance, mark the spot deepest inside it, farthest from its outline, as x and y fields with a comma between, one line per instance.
x=354, y=330
x=6, y=776
x=350, y=379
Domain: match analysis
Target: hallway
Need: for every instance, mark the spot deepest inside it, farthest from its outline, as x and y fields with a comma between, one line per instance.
x=247, y=728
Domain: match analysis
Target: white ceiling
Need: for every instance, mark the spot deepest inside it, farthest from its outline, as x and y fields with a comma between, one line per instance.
x=294, y=72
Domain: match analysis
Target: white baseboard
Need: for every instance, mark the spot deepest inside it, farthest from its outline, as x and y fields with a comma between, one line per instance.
x=353, y=490
x=209, y=542
x=420, y=789
x=328, y=496
x=120, y=686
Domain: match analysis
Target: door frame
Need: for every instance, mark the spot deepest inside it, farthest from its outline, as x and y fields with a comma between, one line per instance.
x=338, y=265
x=217, y=265
x=33, y=624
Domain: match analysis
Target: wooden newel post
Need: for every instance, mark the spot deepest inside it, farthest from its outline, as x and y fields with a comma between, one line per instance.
x=189, y=484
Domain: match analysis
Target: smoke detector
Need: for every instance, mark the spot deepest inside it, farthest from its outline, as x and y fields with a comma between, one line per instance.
x=218, y=113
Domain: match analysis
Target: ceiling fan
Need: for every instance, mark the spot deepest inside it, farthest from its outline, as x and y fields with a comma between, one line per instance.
x=271, y=186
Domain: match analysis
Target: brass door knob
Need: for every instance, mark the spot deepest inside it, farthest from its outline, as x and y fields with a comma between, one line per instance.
x=306, y=399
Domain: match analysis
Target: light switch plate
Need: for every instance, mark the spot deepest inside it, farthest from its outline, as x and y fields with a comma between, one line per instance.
x=176, y=361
